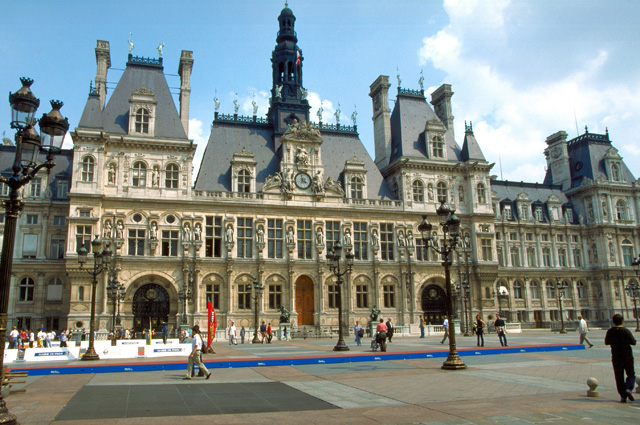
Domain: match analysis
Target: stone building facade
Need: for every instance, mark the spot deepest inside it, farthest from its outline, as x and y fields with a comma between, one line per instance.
x=274, y=194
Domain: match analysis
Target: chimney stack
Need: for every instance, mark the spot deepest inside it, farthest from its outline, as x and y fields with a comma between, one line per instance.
x=103, y=63
x=184, y=70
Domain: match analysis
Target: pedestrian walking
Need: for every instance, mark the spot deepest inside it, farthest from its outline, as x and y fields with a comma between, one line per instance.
x=358, y=332
x=582, y=330
x=389, y=329
x=381, y=334
x=232, y=334
x=269, y=334
x=63, y=339
x=422, y=323
x=445, y=325
x=285, y=333
x=242, y=334
x=165, y=332
x=196, y=355
x=14, y=335
x=263, y=331
x=621, y=339
x=501, y=330
x=480, y=330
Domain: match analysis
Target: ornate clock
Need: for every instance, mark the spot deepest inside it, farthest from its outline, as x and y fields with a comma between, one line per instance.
x=303, y=181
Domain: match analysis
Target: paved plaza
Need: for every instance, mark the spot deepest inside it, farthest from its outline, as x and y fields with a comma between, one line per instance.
x=515, y=388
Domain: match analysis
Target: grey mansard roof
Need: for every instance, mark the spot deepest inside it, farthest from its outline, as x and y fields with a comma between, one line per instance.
x=114, y=118
x=228, y=138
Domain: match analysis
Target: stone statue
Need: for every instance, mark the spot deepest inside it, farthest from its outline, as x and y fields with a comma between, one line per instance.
x=278, y=92
x=272, y=181
x=155, y=177
x=229, y=234
x=347, y=237
x=108, y=229
x=160, y=47
x=318, y=186
x=401, y=241
x=119, y=229
x=303, y=93
x=374, y=314
x=374, y=238
x=319, y=237
x=398, y=77
x=334, y=186
x=337, y=115
x=255, y=105
x=216, y=102
x=186, y=232
x=612, y=253
x=130, y=41
x=153, y=232
x=354, y=115
x=421, y=81
x=319, y=113
x=430, y=191
x=290, y=237
x=112, y=174
x=284, y=314
x=260, y=235
x=236, y=105
x=197, y=232
x=302, y=158
x=410, y=239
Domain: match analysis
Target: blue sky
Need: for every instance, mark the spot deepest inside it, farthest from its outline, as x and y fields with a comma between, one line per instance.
x=520, y=70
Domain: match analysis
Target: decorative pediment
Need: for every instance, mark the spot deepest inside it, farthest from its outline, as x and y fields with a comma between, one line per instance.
x=301, y=132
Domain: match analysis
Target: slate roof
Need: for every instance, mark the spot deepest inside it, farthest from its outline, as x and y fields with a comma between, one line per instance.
x=508, y=190
x=115, y=115
x=228, y=138
x=92, y=114
x=408, y=119
x=470, y=148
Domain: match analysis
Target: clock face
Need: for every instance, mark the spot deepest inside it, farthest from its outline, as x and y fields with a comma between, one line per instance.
x=303, y=180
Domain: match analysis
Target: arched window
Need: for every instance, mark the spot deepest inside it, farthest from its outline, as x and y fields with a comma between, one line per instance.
x=482, y=193
x=142, y=121
x=582, y=290
x=54, y=289
x=627, y=252
x=357, y=187
x=551, y=293
x=517, y=289
x=441, y=190
x=418, y=191
x=139, y=177
x=535, y=290
x=80, y=293
x=88, y=165
x=615, y=173
x=26, y=289
x=621, y=210
x=244, y=181
x=171, y=176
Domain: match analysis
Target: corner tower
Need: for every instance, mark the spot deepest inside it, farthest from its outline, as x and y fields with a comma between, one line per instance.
x=288, y=96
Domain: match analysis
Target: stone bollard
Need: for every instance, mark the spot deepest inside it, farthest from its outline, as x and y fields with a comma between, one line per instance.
x=593, y=384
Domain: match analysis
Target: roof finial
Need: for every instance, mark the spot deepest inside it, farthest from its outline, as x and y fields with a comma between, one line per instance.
x=586, y=129
x=421, y=81
x=286, y=4
x=130, y=41
x=398, y=76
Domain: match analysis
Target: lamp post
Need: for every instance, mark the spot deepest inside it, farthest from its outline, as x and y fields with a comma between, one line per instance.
x=500, y=292
x=451, y=231
x=257, y=291
x=29, y=144
x=115, y=292
x=101, y=260
x=464, y=290
x=183, y=295
x=633, y=289
x=333, y=260
x=560, y=287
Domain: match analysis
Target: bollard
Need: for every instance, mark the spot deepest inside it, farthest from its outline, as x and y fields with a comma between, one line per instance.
x=593, y=384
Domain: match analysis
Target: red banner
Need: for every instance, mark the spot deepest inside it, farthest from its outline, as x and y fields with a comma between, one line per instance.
x=211, y=329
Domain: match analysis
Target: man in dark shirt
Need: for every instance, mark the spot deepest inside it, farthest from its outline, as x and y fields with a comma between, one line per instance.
x=501, y=330
x=621, y=339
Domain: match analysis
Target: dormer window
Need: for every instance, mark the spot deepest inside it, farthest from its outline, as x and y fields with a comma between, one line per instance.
x=615, y=173
x=244, y=181
x=506, y=213
x=538, y=214
x=357, y=187
x=142, y=121
x=438, y=147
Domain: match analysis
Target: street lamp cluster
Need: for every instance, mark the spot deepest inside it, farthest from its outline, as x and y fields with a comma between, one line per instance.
x=450, y=225
x=101, y=262
x=560, y=287
x=116, y=293
x=257, y=291
x=29, y=145
x=333, y=260
x=633, y=289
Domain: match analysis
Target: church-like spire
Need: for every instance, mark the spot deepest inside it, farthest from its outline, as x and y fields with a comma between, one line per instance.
x=288, y=96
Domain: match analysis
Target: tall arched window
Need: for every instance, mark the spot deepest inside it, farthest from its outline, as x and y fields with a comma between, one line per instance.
x=139, y=178
x=418, y=191
x=26, y=289
x=615, y=173
x=441, y=190
x=517, y=289
x=357, y=187
x=88, y=165
x=142, y=121
x=244, y=181
x=551, y=293
x=621, y=210
x=80, y=293
x=171, y=176
x=582, y=290
x=627, y=252
x=482, y=193
x=54, y=289
x=535, y=290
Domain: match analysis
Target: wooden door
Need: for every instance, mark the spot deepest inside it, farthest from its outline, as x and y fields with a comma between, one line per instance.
x=304, y=300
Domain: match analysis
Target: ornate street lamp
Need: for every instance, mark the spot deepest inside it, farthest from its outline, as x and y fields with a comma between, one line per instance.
x=451, y=231
x=29, y=144
x=184, y=294
x=633, y=288
x=560, y=286
x=333, y=260
x=500, y=292
x=101, y=260
x=257, y=291
x=115, y=292
x=464, y=293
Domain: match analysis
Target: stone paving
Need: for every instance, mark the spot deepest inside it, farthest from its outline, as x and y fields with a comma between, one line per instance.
x=523, y=388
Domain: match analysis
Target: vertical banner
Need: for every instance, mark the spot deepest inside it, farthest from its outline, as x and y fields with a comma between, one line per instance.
x=211, y=328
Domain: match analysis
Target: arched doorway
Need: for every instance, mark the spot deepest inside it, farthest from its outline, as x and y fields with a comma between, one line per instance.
x=150, y=307
x=434, y=304
x=304, y=300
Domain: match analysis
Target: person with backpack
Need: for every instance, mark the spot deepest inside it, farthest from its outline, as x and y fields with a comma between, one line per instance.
x=358, y=332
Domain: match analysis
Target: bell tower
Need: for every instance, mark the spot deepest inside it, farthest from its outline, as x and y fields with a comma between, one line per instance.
x=288, y=96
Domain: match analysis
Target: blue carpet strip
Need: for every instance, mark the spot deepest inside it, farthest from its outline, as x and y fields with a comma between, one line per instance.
x=146, y=366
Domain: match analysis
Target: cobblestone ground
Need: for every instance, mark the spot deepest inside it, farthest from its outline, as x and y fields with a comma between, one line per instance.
x=523, y=388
